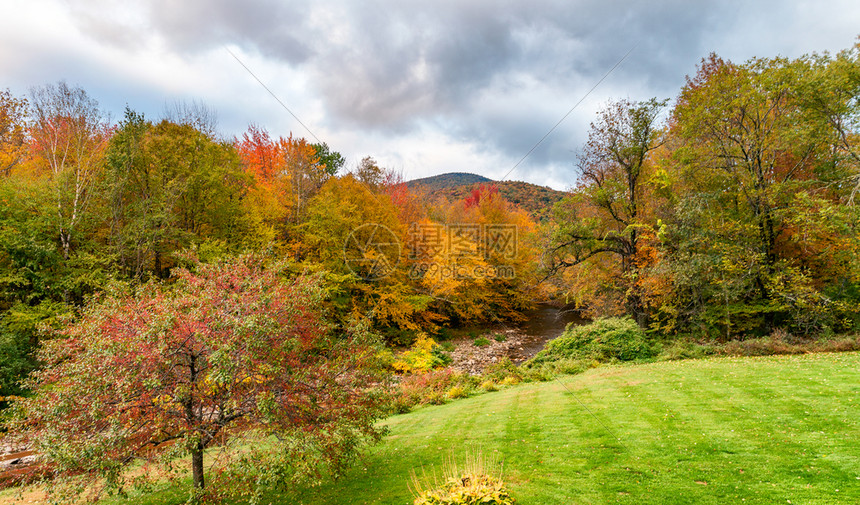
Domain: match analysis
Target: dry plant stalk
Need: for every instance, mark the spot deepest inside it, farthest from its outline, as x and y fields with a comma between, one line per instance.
x=474, y=463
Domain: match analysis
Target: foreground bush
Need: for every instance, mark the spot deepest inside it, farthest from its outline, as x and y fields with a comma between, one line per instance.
x=474, y=483
x=468, y=490
x=603, y=340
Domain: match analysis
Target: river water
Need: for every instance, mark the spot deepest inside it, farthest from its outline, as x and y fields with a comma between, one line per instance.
x=543, y=324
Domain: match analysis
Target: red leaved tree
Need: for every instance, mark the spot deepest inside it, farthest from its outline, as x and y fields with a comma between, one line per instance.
x=230, y=350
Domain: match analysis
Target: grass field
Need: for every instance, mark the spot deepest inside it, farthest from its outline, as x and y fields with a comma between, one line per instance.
x=734, y=430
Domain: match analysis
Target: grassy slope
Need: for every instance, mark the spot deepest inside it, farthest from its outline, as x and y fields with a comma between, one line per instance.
x=763, y=430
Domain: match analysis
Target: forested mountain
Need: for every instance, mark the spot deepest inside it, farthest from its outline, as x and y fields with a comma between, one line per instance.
x=534, y=199
x=452, y=179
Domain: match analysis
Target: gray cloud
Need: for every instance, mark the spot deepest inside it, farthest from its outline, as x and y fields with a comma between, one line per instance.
x=497, y=74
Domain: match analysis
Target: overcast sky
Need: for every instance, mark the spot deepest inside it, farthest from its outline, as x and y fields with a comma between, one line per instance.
x=423, y=87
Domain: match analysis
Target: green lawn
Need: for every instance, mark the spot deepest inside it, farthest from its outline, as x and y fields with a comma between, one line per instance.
x=735, y=430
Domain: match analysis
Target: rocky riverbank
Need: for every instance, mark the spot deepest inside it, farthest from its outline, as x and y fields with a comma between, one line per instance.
x=473, y=356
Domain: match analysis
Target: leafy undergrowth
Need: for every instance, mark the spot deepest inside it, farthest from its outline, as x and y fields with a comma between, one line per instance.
x=438, y=387
x=779, y=343
x=601, y=341
x=759, y=430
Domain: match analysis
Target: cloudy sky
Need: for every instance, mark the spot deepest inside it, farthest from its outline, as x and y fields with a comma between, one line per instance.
x=423, y=87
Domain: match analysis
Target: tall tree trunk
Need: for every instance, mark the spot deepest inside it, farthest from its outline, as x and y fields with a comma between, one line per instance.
x=197, y=465
x=192, y=418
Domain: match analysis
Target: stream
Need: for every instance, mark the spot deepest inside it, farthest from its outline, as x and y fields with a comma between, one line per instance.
x=543, y=324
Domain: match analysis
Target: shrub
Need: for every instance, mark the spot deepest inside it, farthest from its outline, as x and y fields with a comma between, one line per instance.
x=499, y=337
x=430, y=388
x=457, y=392
x=602, y=340
x=436, y=398
x=780, y=341
x=503, y=369
x=565, y=366
x=402, y=404
x=539, y=374
x=510, y=380
x=683, y=349
x=425, y=354
x=481, y=342
x=475, y=483
x=489, y=386
x=441, y=356
x=468, y=490
x=785, y=344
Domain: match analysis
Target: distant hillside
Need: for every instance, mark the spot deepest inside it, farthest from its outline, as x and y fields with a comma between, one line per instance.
x=436, y=182
x=534, y=199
